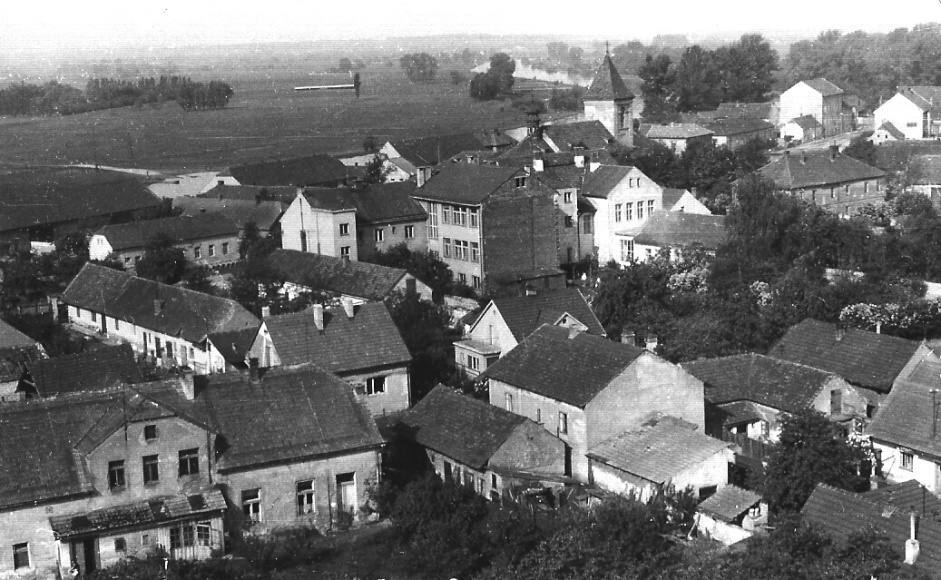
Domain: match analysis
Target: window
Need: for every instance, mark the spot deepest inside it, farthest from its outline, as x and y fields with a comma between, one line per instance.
x=20, y=556
x=473, y=218
x=303, y=241
x=650, y=203
x=461, y=249
x=629, y=211
x=117, y=324
x=908, y=461
x=94, y=316
x=375, y=385
x=344, y=229
x=127, y=259
x=866, y=187
x=151, y=469
x=476, y=282
x=509, y=401
x=460, y=216
x=182, y=536
x=305, y=497
x=617, y=212
x=627, y=250
x=447, y=247
x=251, y=504
x=473, y=363
x=189, y=462
x=150, y=432
x=116, y=474
x=432, y=223
x=567, y=197
x=520, y=181
x=568, y=221
x=198, y=252
x=475, y=251
x=911, y=124
x=563, y=422
x=145, y=539
x=380, y=234
x=640, y=210
x=462, y=278
x=539, y=415
x=445, y=214
x=212, y=249
x=120, y=545
x=345, y=253
x=169, y=349
x=203, y=534
x=409, y=232
x=225, y=248
x=586, y=226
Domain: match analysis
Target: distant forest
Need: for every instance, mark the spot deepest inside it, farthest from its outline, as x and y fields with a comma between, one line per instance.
x=54, y=98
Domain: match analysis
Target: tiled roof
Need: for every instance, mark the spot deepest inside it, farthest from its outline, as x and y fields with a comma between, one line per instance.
x=658, y=450
x=906, y=495
x=96, y=369
x=150, y=512
x=905, y=417
x=464, y=183
x=863, y=358
x=725, y=126
x=779, y=384
x=729, y=502
x=494, y=138
x=368, y=340
x=291, y=414
x=184, y=313
x=816, y=169
x=843, y=513
x=137, y=234
x=234, y=345
x=892, y=130
x=284, y=194
x=573, y=370
x=601, y=181
x=263, y=214
x=49, y=196
x=15, y=359
x=564, y=176
x=926, y=97
x=676, y=228
x=925, y=169
x=580, y=135
x=463, y=428
x=806, y=122
x=607, y=84
x=824, y=87
x=300, y=171
x=671, y=196
x=11, y=337
x=524, y=314
x=375, y=203
x=677, y=131
x=746, y=110
x=319, y=272
x=425, y=151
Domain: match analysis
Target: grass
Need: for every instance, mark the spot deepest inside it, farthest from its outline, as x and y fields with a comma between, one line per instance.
x=265, y=119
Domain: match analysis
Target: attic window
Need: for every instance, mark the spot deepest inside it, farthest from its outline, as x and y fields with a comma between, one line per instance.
x=150, y=432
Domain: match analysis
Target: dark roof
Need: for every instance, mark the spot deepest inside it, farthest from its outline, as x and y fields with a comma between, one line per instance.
x=465, y=183
x=824, y=87
x=425, y=151
x=524, y=314
x=747, y=110
x=603, y=179
x=263, y=214
x=607, y=84
x=892, y=130
x=809, y=169
x=234, y=345
x=671, y=196
x=370, y=339
x=779, y=384
x=53, y=195
x=658, y=450
x=905, y=495
x=905, y=417
x=465, y=429
x=290, y=414
x=677, y=228
x=677, y=131
x=284, y=194
x=926, y=97
x=806, y=122
x=96, y=369
x=180, y=229
x=185, y=313
x=580, y=135
x=319, y=272
x=375, y=203
x=843, y=513
x=573, y=370
x=863, y=358
x=725, y=126
x=299, y=171
x=11, y=337
x=14, y=360
x=494, y=138
x=925, y=169
x=729, y=502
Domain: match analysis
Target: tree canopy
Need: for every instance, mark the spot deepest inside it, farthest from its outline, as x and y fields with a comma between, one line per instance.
x=497, y=81
x=162, y=260
x=419, y=66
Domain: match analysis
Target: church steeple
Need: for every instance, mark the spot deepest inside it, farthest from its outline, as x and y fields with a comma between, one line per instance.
x=607, y=84
x=608, y=100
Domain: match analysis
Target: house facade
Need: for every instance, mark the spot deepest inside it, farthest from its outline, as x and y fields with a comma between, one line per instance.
x=320, y=230
x=735, y=132
x=673, y=231
x=678, y=137
x=819, y=98
x=915, y=111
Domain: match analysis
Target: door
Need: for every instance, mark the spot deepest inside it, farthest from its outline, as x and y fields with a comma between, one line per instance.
x=85, y=555
x=836, y=402
x=568, y=461
x=104, y=324
x=346, y=492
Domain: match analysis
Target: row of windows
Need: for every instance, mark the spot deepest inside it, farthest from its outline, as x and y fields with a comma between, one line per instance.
x=625, y=212
x=455, y=473
x=303, y=497
x=409, y=233
x=563, y=417
x=344, y=250
x=475, y=280
x=460, y=216
x=198, y=250
x=188, y=535
x=158, y=349
x=461, y=250
x=188, y=464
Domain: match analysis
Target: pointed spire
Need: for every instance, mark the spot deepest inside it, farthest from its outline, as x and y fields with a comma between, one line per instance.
x=607, y=84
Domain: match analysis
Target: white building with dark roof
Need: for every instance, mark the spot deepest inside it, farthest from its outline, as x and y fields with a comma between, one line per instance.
x=915, y=111
x=816, y=97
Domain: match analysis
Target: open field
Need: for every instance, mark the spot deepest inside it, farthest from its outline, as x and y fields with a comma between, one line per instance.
x=265, y=119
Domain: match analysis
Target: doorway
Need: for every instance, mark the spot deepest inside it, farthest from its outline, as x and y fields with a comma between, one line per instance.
x=346, y=492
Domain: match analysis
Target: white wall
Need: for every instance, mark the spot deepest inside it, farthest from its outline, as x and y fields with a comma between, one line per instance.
x=902, y=113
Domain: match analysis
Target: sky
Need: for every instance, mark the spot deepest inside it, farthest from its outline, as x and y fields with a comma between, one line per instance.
x=60, y=26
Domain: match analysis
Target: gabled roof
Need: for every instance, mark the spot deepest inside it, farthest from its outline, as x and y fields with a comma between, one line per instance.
x=11, y=337
x=570, y=369
x=283, y=194
x=234, y=345
x=465, y=429
x=600, y=182
x=53, y=195
x=580, y=135
x=607, y=84
x=464, y=183
x=905, y=417
x=727, y=126
x=671, y=196
x=863, y=358
x=761, y=379
x=96, y=369
x=925, y=97
x=184, y=313
x=524, y=314
x=809, y=169
x=368, y=340
x=677, y=229
x=263, y=214
x=806, y=122
x=290, y=414
x=180, y=229
x=299, y=171
x=729, y=502
x=823, y=86
x=15, y=359
x=659, y=450
x=319, y=272
x=843, y=513
x=375, y=203
x=892, y=130
x=494, y=138
x=906, y=494
x=431, y=150
x=677, y=131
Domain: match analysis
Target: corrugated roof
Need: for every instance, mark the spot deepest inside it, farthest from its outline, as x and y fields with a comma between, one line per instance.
x=524, y=314
x=97, y=369
x=607, y=84
x=810, y=169
x=677, y=229
x=299, y=171
x=180, y=229
x=360, y=279
x=465, y=183
x=905, y=417
x=729, y=502
x=823, y=86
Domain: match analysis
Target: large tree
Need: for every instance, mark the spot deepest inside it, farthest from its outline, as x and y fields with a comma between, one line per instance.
x=497, y=81
x=419, y=66
x=162, y=260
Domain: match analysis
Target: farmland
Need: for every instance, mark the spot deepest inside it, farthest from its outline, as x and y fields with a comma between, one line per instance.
x=265, y=119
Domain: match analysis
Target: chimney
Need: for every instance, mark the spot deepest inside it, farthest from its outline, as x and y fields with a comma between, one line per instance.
x=878, y=328
x=158, y=306
x=834, y=151
x=530, y=290
x=579, y=161
x=628, y=337
x=318, y=316
x=187, y=384
x=651, y=343
x=347, y=303
x=265, y=311
x=911, y=545
x=420, y=176
x=538, y=165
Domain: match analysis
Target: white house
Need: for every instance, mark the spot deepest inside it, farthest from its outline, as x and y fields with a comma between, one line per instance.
x=914, y=110
x=819, y=98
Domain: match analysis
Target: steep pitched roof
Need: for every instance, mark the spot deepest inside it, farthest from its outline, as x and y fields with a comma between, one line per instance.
x=290, y=414
x=360, y=279
x=234, y=345
x=301, y=171
x=892, y=130
x=676, y=229
x=184, y=313
x=863, y=358
x=660, y=449
x=96, y=369
x=806, y=122
x=607, y=84
x=572, y=370
x=906, y=494
x=779, y=384
x=52, y=195
x=524, y=314
x=11, y=337
x=375, y=203
x=464, y=183
x=263, y=214
x=580, y=135
x=926, y=97
x=370, y=339
x=137, y=234
x=677, y=131
x=431, y=150
x=816, y=169
x=905, y=417
x=600, y=182
x=465, y=429
x=823, y=86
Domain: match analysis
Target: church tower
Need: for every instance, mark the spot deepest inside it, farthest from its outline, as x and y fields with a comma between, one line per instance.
x=609, y=100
